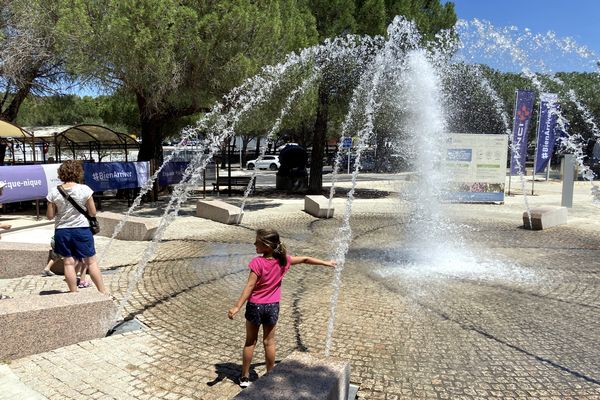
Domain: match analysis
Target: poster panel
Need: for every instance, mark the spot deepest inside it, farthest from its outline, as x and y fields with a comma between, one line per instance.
x=172, y=172
x=476, y=166
x=142, y=169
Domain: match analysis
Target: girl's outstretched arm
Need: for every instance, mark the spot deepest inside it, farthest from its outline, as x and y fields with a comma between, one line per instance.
x=252, y=278
x=312, y=261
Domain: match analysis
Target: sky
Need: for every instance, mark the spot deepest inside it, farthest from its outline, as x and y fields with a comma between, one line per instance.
x=578, y=19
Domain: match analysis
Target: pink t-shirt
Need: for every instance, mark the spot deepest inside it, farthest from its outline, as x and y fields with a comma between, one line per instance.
x=270, y=274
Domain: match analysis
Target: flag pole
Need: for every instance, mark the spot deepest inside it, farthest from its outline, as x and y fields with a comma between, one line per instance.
x=537, y=137
x=511, y=140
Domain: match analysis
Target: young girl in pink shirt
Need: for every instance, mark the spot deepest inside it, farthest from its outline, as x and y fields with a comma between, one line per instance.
x=263, y=292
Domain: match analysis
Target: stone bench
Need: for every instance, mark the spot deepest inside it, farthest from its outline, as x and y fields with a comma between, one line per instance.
x=302, y=376
x=318, y=206
x=136, y=228
x=22, y=259
x=545, y=217
x=219, y=211
x=36, y=324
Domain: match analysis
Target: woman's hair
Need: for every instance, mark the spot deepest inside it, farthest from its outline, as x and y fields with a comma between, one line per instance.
x=270, y=237
x=70, y=171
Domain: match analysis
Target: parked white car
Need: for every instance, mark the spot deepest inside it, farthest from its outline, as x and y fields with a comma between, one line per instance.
x=267, y=162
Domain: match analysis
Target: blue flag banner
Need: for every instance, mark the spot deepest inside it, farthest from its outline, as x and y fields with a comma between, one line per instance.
x=172, y=172
x=115, y=175
x=523, y=111
x=546, y=130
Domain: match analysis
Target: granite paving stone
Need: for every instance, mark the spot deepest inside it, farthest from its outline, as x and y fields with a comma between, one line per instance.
x=522, y=323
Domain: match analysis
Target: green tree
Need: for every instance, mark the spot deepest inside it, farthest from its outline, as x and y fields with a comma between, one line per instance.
x=59, y=110
x=29, y=57
x=586, y=87
x=371, y=17
x=340, y=17
x=334, y=18
x=431, y=16
x=119, y=112
x=178, y=57
x=469, y=107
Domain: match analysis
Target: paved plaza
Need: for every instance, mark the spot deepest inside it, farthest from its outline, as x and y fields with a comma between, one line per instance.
x=503, y=313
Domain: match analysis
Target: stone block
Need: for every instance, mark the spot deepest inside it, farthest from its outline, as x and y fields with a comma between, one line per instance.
x=318, y=206
x=136, y=228
x=22, y=259
x=545, y=217
x=219, y=211
x=302, y=376
x=39, y=323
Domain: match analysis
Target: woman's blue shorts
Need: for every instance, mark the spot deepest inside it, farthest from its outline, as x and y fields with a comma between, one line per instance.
x=74, y=242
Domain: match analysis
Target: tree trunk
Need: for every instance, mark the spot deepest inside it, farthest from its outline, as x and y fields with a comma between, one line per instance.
x=11, y=112
x=151, y=146
x=315, y=183
x=225, y=152
x=245, y=140
x=151, y=123
x=381, y=156
x=257, y=149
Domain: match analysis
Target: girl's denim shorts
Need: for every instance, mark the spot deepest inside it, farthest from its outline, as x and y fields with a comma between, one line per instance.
x=266, y=314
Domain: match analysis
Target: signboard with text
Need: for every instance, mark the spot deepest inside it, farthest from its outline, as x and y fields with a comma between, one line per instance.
x=476, y=166
x=346, y=142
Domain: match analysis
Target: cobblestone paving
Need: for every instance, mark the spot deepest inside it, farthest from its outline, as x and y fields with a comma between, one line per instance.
x=520, y=322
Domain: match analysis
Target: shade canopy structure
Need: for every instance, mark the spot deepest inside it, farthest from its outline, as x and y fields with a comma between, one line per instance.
x=8, y=130
x=83, y=138
x=9, y=134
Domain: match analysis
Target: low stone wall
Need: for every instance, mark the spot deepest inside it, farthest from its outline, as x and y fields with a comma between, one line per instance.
x=136, y=228
x=219, y=211
x=545, y=217
x=22, y=259
x=302, y=376
x=35, y=324
x=318, y=206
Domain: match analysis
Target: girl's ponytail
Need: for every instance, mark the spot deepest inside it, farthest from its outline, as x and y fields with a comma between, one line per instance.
x=280, y=254
x=270, y=237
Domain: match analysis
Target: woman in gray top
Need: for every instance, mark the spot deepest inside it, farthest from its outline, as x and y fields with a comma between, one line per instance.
x=72, y=235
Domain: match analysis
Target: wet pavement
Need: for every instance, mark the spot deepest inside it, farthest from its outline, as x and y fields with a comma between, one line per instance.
x=501, y=312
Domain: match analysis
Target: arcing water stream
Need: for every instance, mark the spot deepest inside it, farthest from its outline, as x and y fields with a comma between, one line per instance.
x=399, y=71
